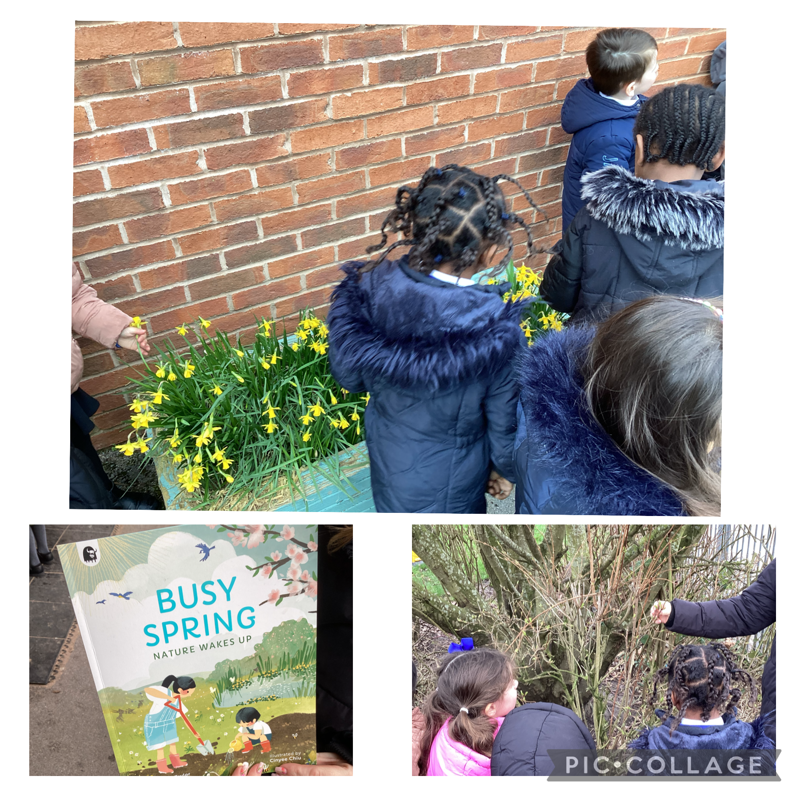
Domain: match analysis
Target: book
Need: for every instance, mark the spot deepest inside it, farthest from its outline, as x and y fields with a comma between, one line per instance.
x=202, y=644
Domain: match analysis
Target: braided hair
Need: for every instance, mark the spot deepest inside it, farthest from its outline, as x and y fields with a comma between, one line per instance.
x=684, y=124
x=700, y=677
x=452, y=216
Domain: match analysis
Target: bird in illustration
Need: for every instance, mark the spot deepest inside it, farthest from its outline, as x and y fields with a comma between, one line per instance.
x=126, y=596
x=99, y=602
x=205, y=550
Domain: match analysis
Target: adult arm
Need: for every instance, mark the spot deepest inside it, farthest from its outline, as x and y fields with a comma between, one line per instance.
x=743, y=615
x=561, y=282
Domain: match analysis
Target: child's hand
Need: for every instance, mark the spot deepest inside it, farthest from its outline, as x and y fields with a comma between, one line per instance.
x=661, y=611
x=131, y=337
x=498, y=487
x=327, y=764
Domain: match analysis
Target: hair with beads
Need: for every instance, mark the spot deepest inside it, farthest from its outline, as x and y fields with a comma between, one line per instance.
x=468, y=680
x=684, y=124
x=653, y=381
x=452, y=216
x=618, y=56
x=700, y=677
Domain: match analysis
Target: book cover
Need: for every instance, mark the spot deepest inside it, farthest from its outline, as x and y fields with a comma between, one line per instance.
x=202, y=644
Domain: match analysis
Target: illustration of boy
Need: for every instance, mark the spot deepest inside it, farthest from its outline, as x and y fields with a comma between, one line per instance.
x=252, y=730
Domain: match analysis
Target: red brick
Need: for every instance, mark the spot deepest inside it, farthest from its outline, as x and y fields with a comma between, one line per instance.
x=489, y=128
x=314, y=237
x=578, y=41
x=110, y=380
x=557, y=135
x=544, y=158
x=199, y=131
x=399, y=171
x=552, y=176
x=118, y=39
x=212, y=186
x=323, y=277
x=248, y=205
x=80, y=120
x=290, y=29
x=546, y=115
x=309, y=191
x=102, y=78
x=322, y=81
x=428, y=37
x=302, y=261
x=357, y=249
x=186, y=67
x=203, y=34
x=218, y=238
x=440, y=89
x=98, y=364
x=400, y=121
x=175, y=317
x=111, y=291
x=296, y=219
x=155, y=301
x=681, y=32
x=95, y=239
x=281, y=55
x=504, y=31
x=466, y=156
x=496, y=79
x=90, y=212
x=471, y=57
x=563, y=88
x=319, y=137
x=371, y=153
x=260, y=251
x=371, y=101
x=525, y=98
x=141, y=107
x=560, y=68
x=531, y=49
x=228, y=282
x=440, y=139
x=520, y=144
x=109, y=146
x=293, y=115
x=672, y=49
x=179, y=272
x=365, y=44
x=266, y=293
x=294, y=169
x=102, y=438
x=403, y=70
x=167, y=223
x=682, y=68
x=303, y=301
x=130, y=259
x=153, y=169
x=249, y=152
x=466, y=109
x=706, y=43
x=87, y=181
x=242, y=92
x=106, y=421
x=367, y=201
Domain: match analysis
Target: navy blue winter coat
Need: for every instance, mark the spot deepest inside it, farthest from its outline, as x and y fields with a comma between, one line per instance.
x=528, y=732
x=637, y=238
x=602, y=134
x=564, y=462
x=436, y=359
x=742, y=615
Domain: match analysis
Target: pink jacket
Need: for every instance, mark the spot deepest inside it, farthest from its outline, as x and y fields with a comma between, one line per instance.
x=94, y=318
x=448, y=757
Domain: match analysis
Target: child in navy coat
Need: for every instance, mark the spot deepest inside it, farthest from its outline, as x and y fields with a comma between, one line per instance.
x=434, y=349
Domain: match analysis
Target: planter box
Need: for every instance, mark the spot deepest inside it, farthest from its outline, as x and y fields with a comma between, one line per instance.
x=354, y=465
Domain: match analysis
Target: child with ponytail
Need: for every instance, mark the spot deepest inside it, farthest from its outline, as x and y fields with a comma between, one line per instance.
x=474, y=692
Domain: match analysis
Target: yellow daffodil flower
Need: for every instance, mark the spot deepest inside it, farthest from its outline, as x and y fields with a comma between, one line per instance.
x=228, y=478
x=323, y=330
x=182, y=329
x=264, y=364
x=267, y=327
x=302, y=335
x=158, y=397
x=198, y=459
x=218, y=454
x=306, y=436
x=274, y=359
x=366, y=397
x=204, y=322
x=216, y=390
x=127, y=449
x=271, y=411
x=239, y=353
x=174, y=441
x=188, y=369
x=177, y=458
x=161, y=372
x=295, y=346
x=226, y=462
x=354, y=416
x=316, y=409
x=306, y=419
x=334, y=423
x=343, y=423
x=334, y=401
x=143, y=446
x=238, y=377
x=270, y=427
x=172, y=376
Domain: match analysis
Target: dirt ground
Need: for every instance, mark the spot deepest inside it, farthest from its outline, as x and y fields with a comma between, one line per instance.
x=136, y=473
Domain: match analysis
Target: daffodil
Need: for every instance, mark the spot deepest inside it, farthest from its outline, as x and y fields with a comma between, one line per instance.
x=204, y=322
x=366, y=397
x=182, y=329
x=334, y=401
x=270, y=427
x=295, y=346
x=216, y=389
x=302, y=335
x=218, y=454
x=143, y=445
x=136, y=322
x=188, y=369
x=334, y=423
x=306, y=419
x=161, y=372
x=274, y=359
x=323, y=329
x=159, y=396
x=265, y=364
x=177, y=458
x=267, y=327
x=127, y=449
x=228, y=478
x=238, y=377
x=316, y=409
x=198, y=459
x=172, y=376
x=343, y=423
x=271, y=411
x=239, y=353
x=354, y=416
x=175, y=440
x=306, y=436
x=138, y=405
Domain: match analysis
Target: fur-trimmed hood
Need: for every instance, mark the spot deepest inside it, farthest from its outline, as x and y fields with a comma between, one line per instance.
x=416, y=333
x=688, y=214
x=565, y=463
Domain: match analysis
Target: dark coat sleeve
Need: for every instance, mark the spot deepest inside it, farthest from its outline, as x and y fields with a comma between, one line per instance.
x=501, y=420
x=604, y=150
x=561, y=282
x=743, y=615
x=347, y=335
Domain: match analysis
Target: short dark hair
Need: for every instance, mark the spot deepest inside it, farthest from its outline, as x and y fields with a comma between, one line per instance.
x=684, y=123
x=247, y=714
x=617, y=56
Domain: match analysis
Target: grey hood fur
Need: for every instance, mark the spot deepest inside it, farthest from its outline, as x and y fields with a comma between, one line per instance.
x=687, y=214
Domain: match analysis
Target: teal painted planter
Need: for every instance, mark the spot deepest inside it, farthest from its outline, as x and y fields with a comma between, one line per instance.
x=324, y=496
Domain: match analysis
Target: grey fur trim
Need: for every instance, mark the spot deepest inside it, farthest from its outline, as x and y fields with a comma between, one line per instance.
x=641, y=208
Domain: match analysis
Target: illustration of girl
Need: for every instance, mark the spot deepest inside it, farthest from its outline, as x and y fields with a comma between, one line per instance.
x=160, y=728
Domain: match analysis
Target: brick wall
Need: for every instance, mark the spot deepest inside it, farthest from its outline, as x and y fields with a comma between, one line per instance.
x=226, y=169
